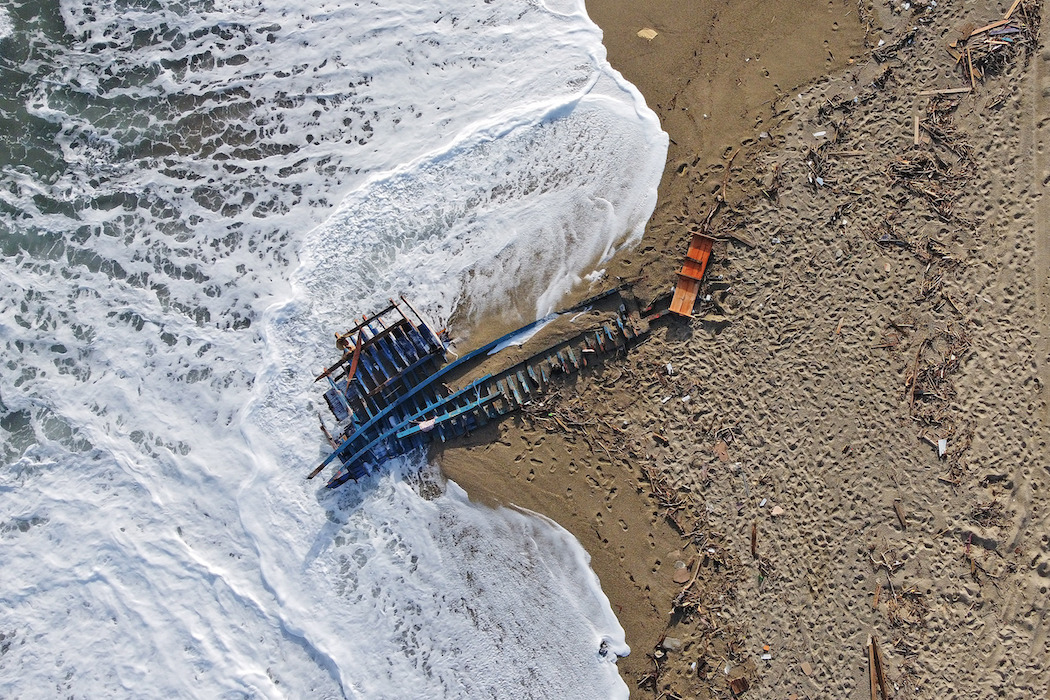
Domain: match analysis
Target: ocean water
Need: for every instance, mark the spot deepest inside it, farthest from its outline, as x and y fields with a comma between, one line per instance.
x=193, y=197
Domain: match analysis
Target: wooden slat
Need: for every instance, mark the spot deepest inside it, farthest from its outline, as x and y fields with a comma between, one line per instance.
x=433, y=336
x=685, y=296
x=524, y=382
x=693, y=269
x=401, y=422
x=348, y=355
x=368, y=319
x=992, y=25
x=700, y=248
x=692, y=273
x=572, y=357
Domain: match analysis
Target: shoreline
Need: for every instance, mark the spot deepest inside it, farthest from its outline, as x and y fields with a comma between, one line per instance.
x=635, y=559
x=789, y=461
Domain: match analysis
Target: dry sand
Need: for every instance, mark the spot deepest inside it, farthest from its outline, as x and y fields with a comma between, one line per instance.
x=774, y=460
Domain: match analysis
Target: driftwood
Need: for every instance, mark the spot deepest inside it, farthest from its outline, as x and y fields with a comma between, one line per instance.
x=900, y=514
x=877, y=674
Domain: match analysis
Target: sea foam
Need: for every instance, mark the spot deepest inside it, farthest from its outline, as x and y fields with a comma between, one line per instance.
x=194, y=196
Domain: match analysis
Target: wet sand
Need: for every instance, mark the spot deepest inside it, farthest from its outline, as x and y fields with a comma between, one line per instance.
x=788, y=463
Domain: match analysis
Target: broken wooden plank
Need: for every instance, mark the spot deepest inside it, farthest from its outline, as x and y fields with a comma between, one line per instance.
x=741, y=236
x=692, y=272
x=685, y=296
x=900, y=514
x=880, y=671
x=991, y=25
x=913, y=377
x=872, y=679
x=947, y=91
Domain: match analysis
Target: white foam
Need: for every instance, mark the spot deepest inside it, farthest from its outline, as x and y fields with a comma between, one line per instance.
x=184, y=253
x=5, y=23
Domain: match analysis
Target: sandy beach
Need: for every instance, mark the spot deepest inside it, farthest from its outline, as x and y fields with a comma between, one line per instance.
x=849, y=439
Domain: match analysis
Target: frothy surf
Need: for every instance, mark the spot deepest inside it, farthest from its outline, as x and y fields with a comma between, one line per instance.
x=193, y=195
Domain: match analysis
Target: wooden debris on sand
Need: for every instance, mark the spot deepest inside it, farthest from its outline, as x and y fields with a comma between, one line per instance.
x=691, y=275
x=989, y=49
x=900, y=514
x=888, y=51
x=876, y=671
x=699, y=252
x=927, y=174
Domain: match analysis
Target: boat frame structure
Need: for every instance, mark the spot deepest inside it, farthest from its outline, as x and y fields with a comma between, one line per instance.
x=388, y=392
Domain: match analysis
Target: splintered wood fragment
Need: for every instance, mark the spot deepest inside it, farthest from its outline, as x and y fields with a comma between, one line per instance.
x=725, y=178
x=914, y=377
x=947, y=91
x=880, y=670
x=875, y=601
x=754, y=540
x=742, y=236
x=969, y=63
x=1011, y=10
x=992, y=25
x=661, y=438
x=872, y=680
x=699, y=563
x=900, y=514
x=915, y=123
x=838, y=328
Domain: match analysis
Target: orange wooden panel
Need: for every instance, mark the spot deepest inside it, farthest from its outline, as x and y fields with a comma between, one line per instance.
x=700, y=248
x=685, y=296
x=693, y=269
